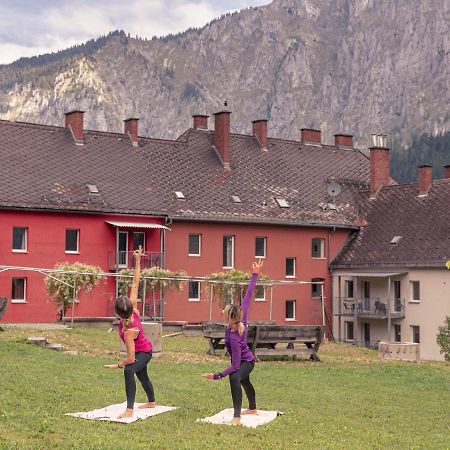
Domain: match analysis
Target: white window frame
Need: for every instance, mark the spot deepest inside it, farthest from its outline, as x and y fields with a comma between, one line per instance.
x=194, y=299
x=263, y=298
x=290, y=319
x=125, y=265
x=232, y=251
x=143, y=241
x=265, y=246
x=411, y=284
x=322, y=248
x=295, y=267
x=19, y=300
x=199, y=244
x=20, y=250
x=346, y=284
x=316, y=279
x=77, y=251
x=346, y=325
x=393, y=331
x=412, y=333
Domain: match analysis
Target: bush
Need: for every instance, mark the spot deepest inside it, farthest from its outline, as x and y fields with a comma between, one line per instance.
x=443, y=338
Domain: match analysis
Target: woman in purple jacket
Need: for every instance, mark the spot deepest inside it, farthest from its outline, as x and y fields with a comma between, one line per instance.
x=242, y=359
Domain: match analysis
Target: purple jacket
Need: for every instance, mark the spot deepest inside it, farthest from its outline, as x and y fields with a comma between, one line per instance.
x=237, y=345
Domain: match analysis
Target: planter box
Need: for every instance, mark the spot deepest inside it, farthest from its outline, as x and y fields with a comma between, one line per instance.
x=404, y=351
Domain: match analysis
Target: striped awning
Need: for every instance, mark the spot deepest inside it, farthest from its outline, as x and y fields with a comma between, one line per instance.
x=368, y=274
x=152, y=226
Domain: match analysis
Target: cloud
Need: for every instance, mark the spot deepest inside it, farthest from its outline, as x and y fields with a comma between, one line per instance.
x=29, y=28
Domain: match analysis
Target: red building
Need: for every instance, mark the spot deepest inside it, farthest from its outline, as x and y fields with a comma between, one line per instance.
x=67, y=194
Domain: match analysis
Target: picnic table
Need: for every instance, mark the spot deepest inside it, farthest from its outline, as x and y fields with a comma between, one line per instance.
x=269, y=339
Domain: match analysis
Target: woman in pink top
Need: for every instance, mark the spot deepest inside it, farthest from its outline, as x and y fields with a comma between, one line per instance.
x=139, y=348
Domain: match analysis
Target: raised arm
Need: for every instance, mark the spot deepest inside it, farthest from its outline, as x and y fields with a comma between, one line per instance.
x=251, y=287
x=137, y=275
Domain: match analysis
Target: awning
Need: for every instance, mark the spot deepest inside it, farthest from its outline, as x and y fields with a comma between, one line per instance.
x=368, y=274
x=152, y=226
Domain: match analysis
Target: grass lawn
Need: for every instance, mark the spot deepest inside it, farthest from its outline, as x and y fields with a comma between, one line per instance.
x=349, y=400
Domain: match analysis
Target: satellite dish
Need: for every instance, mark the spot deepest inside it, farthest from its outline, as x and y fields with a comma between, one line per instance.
x=333, y=189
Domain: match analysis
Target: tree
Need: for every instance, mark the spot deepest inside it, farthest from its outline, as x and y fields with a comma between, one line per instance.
x=61, y=283
x=443, y=338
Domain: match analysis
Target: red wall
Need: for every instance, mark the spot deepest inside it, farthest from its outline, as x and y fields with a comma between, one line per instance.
x=46, y=247
x=282, y=242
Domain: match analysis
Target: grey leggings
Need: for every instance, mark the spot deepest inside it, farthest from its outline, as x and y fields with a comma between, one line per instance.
x=139, y=367
x=238, y=378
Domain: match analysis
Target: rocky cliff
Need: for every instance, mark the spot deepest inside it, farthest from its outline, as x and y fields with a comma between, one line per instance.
x=350, y=66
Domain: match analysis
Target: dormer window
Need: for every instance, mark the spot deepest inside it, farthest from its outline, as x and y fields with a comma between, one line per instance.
x=282, y=203
x=179, y=195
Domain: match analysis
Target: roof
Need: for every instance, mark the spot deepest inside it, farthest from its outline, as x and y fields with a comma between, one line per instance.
x=43, y=168
x=422, y=222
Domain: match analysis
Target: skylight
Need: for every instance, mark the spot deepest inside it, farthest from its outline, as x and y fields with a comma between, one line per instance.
x=92, y=188
x=395, y=240
x=282, y=203
x=236, y=199
x=179, y=195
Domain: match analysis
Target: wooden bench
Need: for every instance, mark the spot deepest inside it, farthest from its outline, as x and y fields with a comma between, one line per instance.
x=269, y=339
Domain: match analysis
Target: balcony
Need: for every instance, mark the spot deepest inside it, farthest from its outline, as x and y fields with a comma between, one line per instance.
x=125, y=260
x=371, y=308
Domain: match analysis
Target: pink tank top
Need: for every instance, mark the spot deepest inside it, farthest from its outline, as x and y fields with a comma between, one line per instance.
x=141, y=342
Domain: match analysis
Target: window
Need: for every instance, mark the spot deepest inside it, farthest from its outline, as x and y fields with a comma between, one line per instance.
x=19, y=239
x=349, y=289
x=194, y=291
x=260, y=294
x=92, y=189
x=139, y=239
x=179, y=195
x=123, y=249
x=316, y=289
x=228, y=251
x=318, y=248
x=72, y=241
x=415, y=291
x=19, y=286
x=397, y=296
x=348, y=330
x=290, y=267
x=415, y=331
x=397, y=333
x=236, y=199
x=282, y=203
x=194, y=244
x=260, y=247
x=290, y=309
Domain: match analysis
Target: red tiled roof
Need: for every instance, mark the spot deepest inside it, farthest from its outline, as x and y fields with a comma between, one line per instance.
x=422, y=222
x=42, y=168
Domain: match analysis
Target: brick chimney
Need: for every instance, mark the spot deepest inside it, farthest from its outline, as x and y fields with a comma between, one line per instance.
x=74, y=121
x=379, y=168
x=130, y=128
x=447, y=171
x=222, y=136
x=344, y=140
x=200, y=121
x=425, y=178
x=259, y=129
x=309, y=135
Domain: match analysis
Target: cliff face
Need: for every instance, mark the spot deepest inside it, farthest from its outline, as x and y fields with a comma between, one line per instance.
x=349, y=66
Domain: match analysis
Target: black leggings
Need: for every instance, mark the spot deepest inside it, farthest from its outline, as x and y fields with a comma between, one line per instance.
x=238, y=378
x=139, y=367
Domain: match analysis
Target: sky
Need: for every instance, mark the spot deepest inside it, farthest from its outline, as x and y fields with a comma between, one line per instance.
x=34, y=27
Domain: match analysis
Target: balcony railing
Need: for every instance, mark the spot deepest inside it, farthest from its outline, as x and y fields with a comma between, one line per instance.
x=373, y=307
x=125, y=260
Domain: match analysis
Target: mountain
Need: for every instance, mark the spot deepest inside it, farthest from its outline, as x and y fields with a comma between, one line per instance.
x=348, y=66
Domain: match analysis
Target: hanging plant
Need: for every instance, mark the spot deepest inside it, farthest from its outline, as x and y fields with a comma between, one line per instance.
x=60, y=286
x=230, y=286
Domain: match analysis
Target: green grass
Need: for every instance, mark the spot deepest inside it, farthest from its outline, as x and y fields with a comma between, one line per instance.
x=350, y=400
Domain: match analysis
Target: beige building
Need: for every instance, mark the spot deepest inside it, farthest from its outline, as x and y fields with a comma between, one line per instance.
x=390, y=281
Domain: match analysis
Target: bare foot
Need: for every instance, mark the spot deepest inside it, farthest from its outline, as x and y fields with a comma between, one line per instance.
x=125, y=415
x=148, y=405
x=236, y=421
x=249, y=411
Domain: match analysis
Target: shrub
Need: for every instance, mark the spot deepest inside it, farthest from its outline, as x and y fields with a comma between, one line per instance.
x=443, y=338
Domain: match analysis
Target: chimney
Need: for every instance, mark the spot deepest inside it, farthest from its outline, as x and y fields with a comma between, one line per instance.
x=222, y=136
x=379, y=168
x=74, y=121
x=425, y=178
x=447, y=171
x=259, y=130
x=200, y=121
x=130, y=127
x=310, y=136
x=343, y=140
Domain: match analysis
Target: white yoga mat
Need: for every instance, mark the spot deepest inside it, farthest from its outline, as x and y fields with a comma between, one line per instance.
x=247, y=420
x=110, y=413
